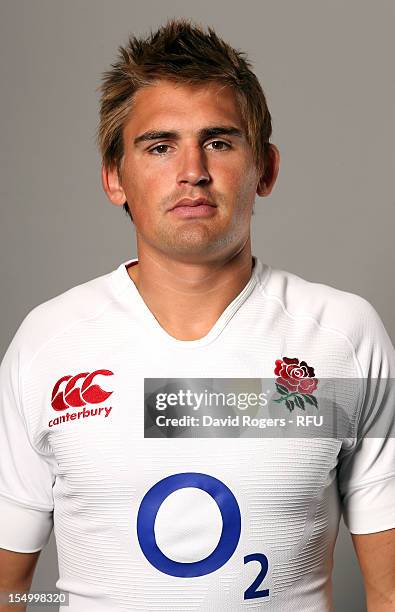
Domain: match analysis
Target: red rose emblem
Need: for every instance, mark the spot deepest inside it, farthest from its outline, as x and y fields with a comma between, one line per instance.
x=296, y=377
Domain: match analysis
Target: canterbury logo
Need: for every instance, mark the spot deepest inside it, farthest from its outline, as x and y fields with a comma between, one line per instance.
x=66, y=393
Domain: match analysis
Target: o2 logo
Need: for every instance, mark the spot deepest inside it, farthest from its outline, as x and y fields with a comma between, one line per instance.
x=231, y=528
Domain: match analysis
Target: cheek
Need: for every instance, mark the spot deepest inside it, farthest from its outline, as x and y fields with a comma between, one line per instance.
x=243, y=185
x=139, y=183
x=238, y=177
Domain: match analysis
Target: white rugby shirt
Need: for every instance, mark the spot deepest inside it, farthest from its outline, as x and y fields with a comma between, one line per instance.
x=173, y=517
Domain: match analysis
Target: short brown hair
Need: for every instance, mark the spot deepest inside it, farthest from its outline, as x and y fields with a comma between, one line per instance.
x=183, y=52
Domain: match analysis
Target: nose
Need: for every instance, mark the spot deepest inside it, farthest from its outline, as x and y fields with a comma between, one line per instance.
x=193, y=167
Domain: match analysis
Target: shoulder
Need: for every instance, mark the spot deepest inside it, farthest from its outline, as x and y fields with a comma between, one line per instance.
x=327, y=304
x=58, y=315
x=335, y=311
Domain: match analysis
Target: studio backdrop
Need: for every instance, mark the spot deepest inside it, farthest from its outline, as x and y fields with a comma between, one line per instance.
x=327, y=71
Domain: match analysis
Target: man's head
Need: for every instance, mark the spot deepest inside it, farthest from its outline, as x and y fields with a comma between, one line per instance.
x=183, y=116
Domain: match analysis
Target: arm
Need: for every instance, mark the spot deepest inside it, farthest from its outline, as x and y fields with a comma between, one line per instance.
x=26, y=481
x=16, y=573
x=376, y=557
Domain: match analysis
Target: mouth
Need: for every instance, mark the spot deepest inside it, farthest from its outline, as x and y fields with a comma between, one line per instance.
x=189, y=202
x=189, y=208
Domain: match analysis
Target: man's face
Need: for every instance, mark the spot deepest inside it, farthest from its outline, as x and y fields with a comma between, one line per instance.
x=188, y=141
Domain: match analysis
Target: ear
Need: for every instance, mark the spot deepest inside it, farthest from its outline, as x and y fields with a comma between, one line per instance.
x=112, y=185
x=269, y=177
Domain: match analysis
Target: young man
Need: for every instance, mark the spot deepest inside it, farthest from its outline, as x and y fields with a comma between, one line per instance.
x=159, y=498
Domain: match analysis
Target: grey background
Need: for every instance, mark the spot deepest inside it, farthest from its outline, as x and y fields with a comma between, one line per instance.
x=327, y=70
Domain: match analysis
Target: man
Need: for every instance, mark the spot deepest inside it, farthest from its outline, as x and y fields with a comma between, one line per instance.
x=159, y=499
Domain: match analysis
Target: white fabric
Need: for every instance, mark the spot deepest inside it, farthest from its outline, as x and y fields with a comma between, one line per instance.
x=89, y=474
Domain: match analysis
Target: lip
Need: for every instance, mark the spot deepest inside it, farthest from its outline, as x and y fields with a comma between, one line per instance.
x=187, y=208
x=192, y=203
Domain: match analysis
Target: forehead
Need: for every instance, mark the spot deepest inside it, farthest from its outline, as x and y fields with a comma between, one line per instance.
x=169, y=105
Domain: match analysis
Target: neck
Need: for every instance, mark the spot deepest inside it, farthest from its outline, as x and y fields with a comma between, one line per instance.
x=187, y=298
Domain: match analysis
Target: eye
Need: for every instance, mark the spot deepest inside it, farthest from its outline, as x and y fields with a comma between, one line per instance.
x=219, y=145
x=159, y=149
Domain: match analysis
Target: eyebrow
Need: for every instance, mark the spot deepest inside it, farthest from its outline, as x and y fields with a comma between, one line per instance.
x=204, y=133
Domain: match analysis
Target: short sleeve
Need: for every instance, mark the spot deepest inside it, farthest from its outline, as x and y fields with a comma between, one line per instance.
x=26, y=476
x=366, y=473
